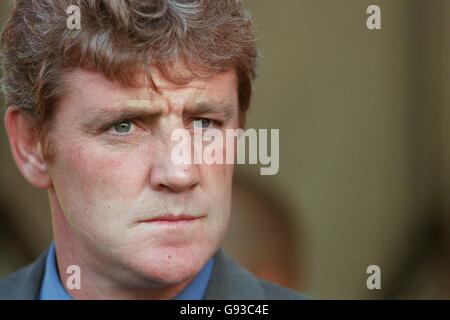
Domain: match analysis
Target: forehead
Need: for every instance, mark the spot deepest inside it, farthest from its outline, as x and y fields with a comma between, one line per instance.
x=85, y=88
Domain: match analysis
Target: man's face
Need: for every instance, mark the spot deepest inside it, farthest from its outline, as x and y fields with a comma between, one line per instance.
x=112, y=173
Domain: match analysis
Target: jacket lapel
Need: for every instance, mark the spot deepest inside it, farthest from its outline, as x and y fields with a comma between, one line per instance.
x=230, y=281
x=25, y=284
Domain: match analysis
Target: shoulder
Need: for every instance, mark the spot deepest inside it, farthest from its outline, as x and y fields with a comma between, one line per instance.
x=25, y=283
x=231, y=281
x=276, y=292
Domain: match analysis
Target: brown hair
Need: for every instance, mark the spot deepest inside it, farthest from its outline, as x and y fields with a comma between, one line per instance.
x=117, y=39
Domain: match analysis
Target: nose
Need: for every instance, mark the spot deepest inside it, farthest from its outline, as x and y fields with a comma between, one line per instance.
x=169, y=175
x=174, y=177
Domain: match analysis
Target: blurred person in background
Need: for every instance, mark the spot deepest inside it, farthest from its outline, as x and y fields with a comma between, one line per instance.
x=263, y=220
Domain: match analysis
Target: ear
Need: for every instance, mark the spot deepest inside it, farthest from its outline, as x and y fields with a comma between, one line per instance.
x=26, y=148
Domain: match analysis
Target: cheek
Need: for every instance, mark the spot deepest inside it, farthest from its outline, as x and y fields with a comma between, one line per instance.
x=216, y=180
x=99, y=171
x=217, y=187
x=94, y=183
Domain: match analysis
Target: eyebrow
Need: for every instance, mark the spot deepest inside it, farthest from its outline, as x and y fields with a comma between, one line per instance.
x=222, y=109
x=105, y=115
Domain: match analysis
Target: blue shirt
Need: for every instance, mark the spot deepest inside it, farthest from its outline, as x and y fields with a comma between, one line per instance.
x=52, y=288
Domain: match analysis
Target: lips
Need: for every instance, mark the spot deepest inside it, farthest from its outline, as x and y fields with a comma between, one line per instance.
x=173, y=218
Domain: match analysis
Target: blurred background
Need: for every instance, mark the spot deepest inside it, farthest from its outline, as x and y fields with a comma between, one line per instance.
x=364, y=123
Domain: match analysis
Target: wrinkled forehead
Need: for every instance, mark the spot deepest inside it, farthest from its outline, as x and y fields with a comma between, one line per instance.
x=89, y=91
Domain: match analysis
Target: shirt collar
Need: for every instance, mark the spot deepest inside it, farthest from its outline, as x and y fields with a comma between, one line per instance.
x=52, y=288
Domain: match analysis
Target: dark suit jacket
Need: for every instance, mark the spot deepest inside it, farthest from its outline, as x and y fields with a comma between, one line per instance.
x=228, y=281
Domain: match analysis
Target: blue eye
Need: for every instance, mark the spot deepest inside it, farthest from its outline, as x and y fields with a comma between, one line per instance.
x=124, y=126
x=202, y=123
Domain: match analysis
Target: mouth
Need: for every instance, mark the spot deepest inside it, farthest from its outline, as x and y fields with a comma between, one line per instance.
x=172, y=219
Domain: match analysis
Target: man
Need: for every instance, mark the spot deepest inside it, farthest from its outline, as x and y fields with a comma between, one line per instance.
x=91, y=112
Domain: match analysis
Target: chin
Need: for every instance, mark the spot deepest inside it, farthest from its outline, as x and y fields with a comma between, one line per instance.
x=170, y=265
